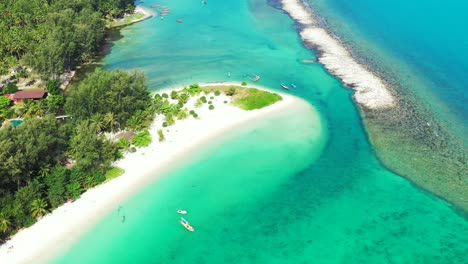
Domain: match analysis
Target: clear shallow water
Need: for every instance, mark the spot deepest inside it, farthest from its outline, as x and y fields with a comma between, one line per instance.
x=422, y=44
x=277, y=191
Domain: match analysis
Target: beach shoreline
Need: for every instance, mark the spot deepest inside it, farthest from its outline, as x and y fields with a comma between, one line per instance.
x=148, y=13
x=71, y=220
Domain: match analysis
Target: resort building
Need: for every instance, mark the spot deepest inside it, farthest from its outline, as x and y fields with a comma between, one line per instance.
x=19, y=96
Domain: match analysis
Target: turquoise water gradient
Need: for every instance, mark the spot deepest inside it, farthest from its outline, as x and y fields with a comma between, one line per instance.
x=302, y=187
x=423, y=44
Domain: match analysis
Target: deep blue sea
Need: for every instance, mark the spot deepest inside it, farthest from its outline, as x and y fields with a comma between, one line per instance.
x=302, y=187
x=423, y=44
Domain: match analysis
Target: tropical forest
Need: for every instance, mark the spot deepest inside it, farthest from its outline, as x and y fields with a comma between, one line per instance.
x=59, y=140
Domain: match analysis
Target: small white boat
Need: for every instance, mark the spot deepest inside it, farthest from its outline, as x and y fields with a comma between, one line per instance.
x=186, y=224
x=293, y=85
x=284, y=86
x=254, y=77
x=181, y=211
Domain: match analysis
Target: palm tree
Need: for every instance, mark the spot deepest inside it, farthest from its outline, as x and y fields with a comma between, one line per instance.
x=19, y=109
x=134, y=122
x=28, y=107
x=98, y=120
x=44, y=171
x=38, y=208
x=5, y=223
x=110, y=121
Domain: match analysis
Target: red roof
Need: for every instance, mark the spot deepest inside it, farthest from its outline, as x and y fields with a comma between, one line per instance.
x=31, y=94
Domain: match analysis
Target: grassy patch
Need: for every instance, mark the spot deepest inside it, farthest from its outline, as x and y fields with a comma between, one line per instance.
x=247, y=98
x=114, y=172
x=126, y=20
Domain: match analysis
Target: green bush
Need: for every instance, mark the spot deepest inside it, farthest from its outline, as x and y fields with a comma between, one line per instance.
x=118, y=155
x=183, y=114
x=217, y=92
x=123, y=143
x=203, y=99
x=161, y=135
x=164, y=124
x=209, y=102
x=231, y=91
x=225, y=102
x=183, y=98
x=244, y=83
x=99, y=178
x=142, y=139
x=174, y=95
x=53, y=87
x=194, y=89
x=169, y=119
x=5, y=102
x=211, y=107
x=10, y=88
x=132, y=150
x=211, y=97
x=74, y=189
x=199, y=102
x=164, y=95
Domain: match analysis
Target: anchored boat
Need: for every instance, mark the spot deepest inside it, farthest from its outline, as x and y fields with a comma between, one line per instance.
x=254, y=77
x=186, y=224
x=181, y=211
x=284, y=86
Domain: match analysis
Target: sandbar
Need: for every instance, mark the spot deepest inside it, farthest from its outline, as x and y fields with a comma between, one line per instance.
x=371, y=91
x=57, y=231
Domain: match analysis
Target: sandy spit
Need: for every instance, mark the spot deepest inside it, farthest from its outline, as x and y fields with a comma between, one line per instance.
x=57, y=231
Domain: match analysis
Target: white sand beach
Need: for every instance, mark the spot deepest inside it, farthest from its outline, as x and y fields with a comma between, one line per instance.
x=371, y=91
x=145, y=11
x=58, y=230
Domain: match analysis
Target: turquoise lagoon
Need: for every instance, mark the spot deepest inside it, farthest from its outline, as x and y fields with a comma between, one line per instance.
x=300, y=187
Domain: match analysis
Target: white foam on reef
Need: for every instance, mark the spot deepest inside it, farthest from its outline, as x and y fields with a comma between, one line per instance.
x=371, y=91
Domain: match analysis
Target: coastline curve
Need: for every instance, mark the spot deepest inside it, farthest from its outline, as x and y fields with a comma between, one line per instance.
x=66, y=224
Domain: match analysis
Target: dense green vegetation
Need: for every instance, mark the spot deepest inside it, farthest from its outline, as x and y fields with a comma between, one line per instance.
x=246, y=98
x=45, y=161
x=54, y=36
x=110, y=97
